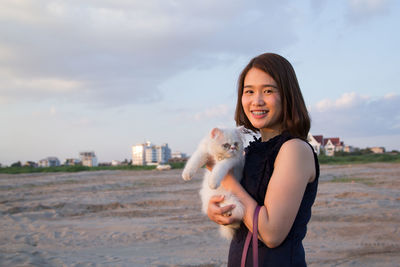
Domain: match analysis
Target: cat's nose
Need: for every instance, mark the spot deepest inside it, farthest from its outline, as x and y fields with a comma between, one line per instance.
x=233, y=147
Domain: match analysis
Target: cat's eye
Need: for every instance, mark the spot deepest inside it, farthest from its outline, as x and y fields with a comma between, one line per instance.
x=226, y=146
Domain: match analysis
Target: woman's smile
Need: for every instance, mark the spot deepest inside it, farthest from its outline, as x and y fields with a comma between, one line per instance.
x=258, y=114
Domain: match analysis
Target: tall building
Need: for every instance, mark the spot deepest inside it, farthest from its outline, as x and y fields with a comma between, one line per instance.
x=88, y=158
x=138, y=154
x=149, y=154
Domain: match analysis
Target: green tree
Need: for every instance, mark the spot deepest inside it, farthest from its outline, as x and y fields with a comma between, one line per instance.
x=16, y=164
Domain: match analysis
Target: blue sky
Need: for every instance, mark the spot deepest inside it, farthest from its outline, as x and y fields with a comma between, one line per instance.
x=105, y=75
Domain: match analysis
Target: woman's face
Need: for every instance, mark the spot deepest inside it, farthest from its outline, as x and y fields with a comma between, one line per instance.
x=261, y=101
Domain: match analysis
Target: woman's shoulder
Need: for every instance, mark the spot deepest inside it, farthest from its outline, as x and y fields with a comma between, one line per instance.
x=298, y=152
x=297, y=146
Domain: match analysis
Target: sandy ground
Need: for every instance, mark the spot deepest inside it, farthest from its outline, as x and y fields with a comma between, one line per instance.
x=152, y=218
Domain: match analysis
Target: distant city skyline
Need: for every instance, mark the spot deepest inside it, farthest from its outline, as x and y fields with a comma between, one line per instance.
x=102, y=76
x=62, y=160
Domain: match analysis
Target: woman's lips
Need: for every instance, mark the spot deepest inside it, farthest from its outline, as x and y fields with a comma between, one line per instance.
x=258, y=114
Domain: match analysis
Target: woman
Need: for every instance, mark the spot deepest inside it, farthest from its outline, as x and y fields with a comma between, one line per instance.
x=281, y=170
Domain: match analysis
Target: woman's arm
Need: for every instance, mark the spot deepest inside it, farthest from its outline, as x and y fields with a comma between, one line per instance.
x=294, y=168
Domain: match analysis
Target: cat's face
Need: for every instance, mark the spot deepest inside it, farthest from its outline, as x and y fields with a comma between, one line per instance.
x=227, y=142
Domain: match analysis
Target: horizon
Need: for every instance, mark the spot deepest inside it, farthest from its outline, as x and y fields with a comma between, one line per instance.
x=102, y=76
x=172, y=151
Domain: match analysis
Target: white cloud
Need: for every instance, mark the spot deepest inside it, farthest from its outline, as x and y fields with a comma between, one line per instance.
x=119, y=52
x=346, y=101
x=354, y=115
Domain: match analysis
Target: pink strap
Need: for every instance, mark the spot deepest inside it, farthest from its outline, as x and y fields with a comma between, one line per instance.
x=253, y=235
x=245, y=249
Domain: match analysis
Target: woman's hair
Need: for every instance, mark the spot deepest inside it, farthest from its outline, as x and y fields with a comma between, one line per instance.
x=295, y=118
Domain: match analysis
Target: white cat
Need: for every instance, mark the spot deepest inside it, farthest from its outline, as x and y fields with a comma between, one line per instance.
x=225, y=146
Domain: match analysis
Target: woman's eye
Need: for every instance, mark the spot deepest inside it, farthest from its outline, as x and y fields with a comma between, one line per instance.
x=248, y=91
x=268, y=91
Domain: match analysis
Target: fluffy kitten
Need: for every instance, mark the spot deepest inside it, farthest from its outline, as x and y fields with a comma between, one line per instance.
x=225, y=146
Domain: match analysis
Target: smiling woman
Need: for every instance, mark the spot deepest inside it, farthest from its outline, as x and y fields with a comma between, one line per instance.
x=276, y=78
x=281, y=171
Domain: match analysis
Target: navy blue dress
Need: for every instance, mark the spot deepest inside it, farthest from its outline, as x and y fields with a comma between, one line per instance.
x=259, y=165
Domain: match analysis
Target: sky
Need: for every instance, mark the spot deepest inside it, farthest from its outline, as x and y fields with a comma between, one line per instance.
x=103, y=75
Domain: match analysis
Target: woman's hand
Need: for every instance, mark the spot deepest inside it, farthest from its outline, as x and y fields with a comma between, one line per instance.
x=220, y=215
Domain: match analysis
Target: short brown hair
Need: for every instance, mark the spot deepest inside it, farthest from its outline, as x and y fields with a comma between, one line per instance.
x=295, y=118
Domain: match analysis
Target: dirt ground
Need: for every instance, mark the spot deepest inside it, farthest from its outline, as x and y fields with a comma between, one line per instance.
x=153, y=218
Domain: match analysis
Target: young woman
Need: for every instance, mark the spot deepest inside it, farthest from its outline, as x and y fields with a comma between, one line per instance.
x=281, y=169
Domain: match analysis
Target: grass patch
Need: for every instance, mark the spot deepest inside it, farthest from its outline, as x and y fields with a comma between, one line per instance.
x=18, y=170
x=359, y=159
x=177, y=165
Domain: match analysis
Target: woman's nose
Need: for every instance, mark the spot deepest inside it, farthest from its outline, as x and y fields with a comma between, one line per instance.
x=258, y=100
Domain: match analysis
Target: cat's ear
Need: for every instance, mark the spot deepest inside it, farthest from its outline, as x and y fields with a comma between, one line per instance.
x=215, y=133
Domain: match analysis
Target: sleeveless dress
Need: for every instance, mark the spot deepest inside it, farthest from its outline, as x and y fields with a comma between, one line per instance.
x=259, y=165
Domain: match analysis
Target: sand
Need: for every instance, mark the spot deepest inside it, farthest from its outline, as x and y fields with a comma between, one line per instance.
x=153, y=218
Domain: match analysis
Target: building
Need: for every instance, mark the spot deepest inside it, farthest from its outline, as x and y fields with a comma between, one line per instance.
x=138, y=152
x=149, y=154
x=88, y=158
x=49, y=162
x=30, y=164
x=377, y=150
x=316, y=142
x=349, y=149
x=72, y=162
x=115, y=162
x=178, y=155
x=332, y=145
x=327, y=145
x=163, y=153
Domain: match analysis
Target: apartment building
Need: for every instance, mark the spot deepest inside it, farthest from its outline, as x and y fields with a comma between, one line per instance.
x=88, y=158
x=150, y=154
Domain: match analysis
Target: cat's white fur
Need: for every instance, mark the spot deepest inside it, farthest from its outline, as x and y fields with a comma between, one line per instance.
x=225, y=159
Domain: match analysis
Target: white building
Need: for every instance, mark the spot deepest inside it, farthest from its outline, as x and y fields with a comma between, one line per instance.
x=149, y=154
x=49, y=162
x=178, y=155
x=327, y=145
x=316, y=142
x=378, y=150
x=138, y=152
x=88, y=158
x=332, y=145
x=115, y=162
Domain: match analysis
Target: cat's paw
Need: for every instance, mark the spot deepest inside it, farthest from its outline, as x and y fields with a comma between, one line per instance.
x=187, y=175
x=213, y=184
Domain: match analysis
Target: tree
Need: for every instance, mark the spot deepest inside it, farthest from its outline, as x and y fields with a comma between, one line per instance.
x=16, y=164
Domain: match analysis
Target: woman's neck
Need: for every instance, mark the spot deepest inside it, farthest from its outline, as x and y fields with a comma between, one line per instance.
x=267, y=134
